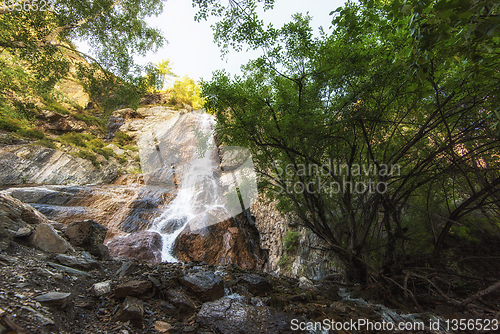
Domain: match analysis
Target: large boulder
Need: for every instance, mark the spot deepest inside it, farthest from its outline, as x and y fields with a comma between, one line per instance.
x=46, y=239
x=88, y=235
x=142, y=246
x=19, y=220
x=233, y=241
x=205, y=285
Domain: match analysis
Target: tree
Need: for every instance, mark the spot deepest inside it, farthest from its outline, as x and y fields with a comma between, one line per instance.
x=327, y=118
x=165, y=69
x=40, y=39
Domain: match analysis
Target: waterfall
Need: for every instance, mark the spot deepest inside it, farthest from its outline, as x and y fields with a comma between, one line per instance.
x=199, y=191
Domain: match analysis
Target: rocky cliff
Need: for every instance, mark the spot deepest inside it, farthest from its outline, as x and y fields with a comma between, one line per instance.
x=292, y=249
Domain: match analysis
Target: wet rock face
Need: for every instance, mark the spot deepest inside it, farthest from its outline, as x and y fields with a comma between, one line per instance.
x=232, y=241
x=232, y=316
x=142, y=246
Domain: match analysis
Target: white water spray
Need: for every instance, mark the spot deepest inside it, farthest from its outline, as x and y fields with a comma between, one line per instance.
x=199, y=192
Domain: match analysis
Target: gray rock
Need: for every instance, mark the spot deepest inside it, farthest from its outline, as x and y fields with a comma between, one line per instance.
x=232, y=316
x=305, y=283
x=257, y=285
x=184, y=304
x=77, y=262
x=89, y=235
x=46, y=239
x=69, y=270
x=131, y=309
x=205, y=285
x=102, y=288
x=127, y=268
x=42, y=165
x=56, y=299
x=23, y=232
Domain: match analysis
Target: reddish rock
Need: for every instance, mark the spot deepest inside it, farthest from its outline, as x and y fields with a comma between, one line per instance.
x=142, y=246
x=232, y=241
x=132, y=288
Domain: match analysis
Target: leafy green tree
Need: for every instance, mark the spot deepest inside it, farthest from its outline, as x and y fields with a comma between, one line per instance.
x=186, y=90
x=39, y=39
x=350, y=105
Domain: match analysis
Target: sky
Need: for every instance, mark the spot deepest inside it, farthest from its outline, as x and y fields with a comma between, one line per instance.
x=192, y=50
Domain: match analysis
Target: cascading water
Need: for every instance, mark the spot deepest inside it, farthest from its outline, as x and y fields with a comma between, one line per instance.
x=199, y=192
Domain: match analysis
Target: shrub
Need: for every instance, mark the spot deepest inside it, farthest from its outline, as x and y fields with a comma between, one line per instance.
x=186, y=90
x=84, y=154
x=45, y=142
x=31, y=133
x=75, y=139
x=291, y=240
x=122, y=139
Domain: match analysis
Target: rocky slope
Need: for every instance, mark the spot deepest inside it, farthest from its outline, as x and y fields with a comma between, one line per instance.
x=80, y=289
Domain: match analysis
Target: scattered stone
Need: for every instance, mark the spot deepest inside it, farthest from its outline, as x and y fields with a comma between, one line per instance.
x=228, y=316
x=132, y=288
x=257, y=285
x=56, y=299
x=44, y=320
x=131, y=309
x=305, y=283
x=299, y=298
x=69, y=270
x=77, y=262
x=102, y=288
x=168, y=310
x=46, y=239
x=205, y=285
x=184, y=304
x=128, y=268
x=142, y=246
x=162, y=326
x=23, y=232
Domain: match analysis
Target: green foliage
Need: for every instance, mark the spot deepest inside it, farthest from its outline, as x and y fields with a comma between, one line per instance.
x=186, y=90
x=356, y=96
x=291, y=240
x=46, y=143
x=75, y=139
x=122, y=139
x=85, y=154
x=31, y=133
x=89, y=120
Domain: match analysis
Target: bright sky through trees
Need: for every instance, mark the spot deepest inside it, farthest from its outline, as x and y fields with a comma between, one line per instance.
x=191, y=48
